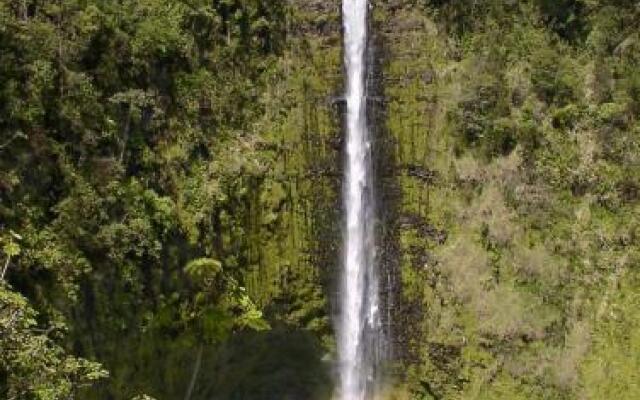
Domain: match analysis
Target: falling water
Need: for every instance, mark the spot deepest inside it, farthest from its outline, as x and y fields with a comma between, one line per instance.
x=359, y=324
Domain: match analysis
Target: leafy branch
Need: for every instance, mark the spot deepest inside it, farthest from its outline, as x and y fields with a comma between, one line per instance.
x=11, y=249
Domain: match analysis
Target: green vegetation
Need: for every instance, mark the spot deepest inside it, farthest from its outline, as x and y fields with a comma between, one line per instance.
x=527, y=115
x=170, y=182
x=155, y=159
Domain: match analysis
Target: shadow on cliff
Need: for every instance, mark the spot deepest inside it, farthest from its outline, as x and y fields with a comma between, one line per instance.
x=282, y=363
x=278, y=364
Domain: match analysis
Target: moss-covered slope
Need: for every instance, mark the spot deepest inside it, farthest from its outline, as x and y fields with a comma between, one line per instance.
x=517, y=134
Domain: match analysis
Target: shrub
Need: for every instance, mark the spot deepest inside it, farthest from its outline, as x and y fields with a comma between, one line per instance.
x=551, y=80
x=564, y=17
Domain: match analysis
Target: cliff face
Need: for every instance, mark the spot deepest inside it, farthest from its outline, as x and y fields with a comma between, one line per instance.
x=280, y=234
x=173, y=187
x=518, y=213
x=508, y=216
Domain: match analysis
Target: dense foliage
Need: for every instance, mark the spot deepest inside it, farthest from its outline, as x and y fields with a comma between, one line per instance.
x=126, y=154
x=525, y=116
x=169, y=190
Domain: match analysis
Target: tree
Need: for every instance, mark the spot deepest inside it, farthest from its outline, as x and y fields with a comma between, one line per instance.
x=32, y=363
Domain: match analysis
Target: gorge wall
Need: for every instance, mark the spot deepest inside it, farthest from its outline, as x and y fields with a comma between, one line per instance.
x=175, y=196
x=517, y=224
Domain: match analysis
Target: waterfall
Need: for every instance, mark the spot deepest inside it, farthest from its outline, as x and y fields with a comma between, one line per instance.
x=359, y=328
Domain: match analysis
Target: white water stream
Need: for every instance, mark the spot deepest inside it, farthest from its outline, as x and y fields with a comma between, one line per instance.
x=359, y=327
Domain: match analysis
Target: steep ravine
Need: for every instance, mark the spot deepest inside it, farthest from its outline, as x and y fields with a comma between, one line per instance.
x=488, y=256
x=171, y=180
